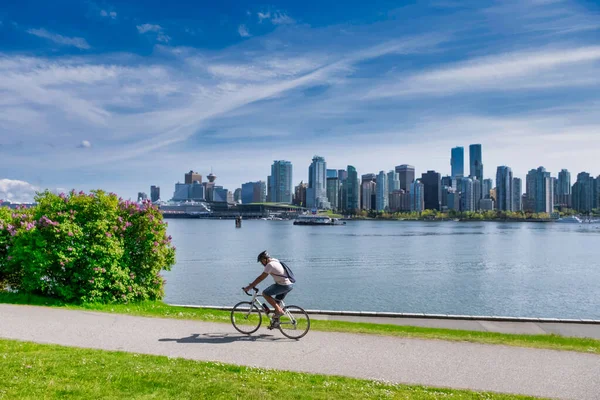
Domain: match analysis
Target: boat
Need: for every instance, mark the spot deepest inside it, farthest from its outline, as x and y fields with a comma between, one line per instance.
x=318, y=220
x=570, y=220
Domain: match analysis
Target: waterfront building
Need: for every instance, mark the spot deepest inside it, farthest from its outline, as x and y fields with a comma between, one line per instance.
x=517, y=194
x=486, y=188
x=316, y=194
x=197, y=191
x=450, y=182
x=300, y=194
x=399, y=201
x=417, y=196
x=452, y=199
x=393, y=181
x=563, y=189
x=352, y=191
x=142, y=196
x=253, y=192
x=457, y=162
x=504, y=182
x=486, y=204
x=467, y=198
x=154, y=193
x=381, y=192
x=237, y=195
x=219, y=194
x=182, y=192
x=406, y=174
x=342, y=175
x=191, y=177
x=432, y=183
x=544, y=191
x=332, y=173
x=279, y=184
x=333, y=191
x=477, y=195
x=475, y=161
x=368, y=193
x=583, y=193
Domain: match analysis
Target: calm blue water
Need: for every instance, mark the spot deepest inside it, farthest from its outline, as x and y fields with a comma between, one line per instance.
x=474, y=268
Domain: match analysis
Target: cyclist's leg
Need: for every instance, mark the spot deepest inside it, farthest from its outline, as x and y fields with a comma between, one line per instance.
x=274, y=292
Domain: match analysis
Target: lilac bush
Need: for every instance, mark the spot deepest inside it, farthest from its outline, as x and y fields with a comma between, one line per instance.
x=86, y=248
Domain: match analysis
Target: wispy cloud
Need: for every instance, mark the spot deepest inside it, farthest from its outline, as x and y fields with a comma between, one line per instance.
x=148, y=28
x=535, y=69
x=78, y=42
x=108, y=14
x=243, y=31
x=161, y=36
x=275, y=17
x=17, y=191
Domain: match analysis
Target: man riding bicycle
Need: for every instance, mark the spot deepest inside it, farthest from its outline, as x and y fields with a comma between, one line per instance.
x=279, y=289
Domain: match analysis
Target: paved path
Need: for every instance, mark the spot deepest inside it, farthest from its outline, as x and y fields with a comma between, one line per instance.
x=535, y=372
x=526, y=326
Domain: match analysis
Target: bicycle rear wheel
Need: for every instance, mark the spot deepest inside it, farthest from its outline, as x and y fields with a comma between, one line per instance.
x=246, y=317
x=294, y=323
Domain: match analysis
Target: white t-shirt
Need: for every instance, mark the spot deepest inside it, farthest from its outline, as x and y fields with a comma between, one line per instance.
x=276, y=270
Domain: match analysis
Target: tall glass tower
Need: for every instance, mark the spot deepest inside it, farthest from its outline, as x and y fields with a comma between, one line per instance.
x=352, y=190
x=504, y=182
x=457, y=162
x=475, y=162
x=280, y=182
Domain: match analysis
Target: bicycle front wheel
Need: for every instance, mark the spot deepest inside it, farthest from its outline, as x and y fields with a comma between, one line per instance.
x=294, y=323
x=246, y=317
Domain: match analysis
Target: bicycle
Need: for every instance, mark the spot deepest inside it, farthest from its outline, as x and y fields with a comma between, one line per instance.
x=246, y=317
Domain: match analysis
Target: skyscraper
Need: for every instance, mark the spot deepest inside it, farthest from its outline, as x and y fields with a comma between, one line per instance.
x=563, y=194
x=504, y=181
x=393, y=181
x=253, y=192
x=432, y=182
x=191, y=177
x=367, y=192
x=583, y=193
x=450, y=182
x=342, y=174
x=544, y=191
x=475, y=161
x=457, y=162
x=333, y=191
x=406, y=173
x=517, y=193
x=316, y=194
x=467, y=198
x=237, y=195
x=300, y=194
x=352, y=190
x=486, y=188
x=477, y=189
x=332, y=173
x=417, y=196
x=154, y=193
x=280, y=182
x=382, y=192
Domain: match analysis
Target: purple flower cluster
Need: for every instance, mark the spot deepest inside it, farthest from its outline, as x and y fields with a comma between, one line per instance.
x=45, y=221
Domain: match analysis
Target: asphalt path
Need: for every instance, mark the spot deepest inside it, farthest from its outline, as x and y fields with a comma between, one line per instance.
x=536, y=372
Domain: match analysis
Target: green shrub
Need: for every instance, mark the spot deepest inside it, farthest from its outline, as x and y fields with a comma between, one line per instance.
x=86, y=248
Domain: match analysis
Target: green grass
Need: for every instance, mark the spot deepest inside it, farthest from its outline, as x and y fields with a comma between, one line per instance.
x=162, y=310
x=36, y=371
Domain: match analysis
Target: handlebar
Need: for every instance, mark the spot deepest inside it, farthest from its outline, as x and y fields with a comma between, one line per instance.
x=255, y=289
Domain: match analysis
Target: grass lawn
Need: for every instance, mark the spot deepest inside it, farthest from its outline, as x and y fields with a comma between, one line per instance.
x=162, y=310
x=36, y=371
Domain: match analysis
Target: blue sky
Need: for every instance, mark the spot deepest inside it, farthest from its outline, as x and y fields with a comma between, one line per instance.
x=121, y=95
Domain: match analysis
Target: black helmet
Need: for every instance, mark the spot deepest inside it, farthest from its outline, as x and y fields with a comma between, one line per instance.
x=262, y=255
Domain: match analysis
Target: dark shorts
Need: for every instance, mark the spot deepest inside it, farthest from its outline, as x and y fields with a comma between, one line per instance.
x=278, y=291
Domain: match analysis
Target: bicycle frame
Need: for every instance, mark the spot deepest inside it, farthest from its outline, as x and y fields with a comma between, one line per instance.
x=259, y=305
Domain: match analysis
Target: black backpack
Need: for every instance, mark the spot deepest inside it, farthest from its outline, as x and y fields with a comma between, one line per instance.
x=288, y=271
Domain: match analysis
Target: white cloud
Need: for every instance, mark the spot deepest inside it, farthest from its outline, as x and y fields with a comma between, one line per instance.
x=522, y=70
x=17, y=191
x=276, y=17
x=111, y=14
x=243, y=31
x=148, y=28
x=280, y=18
x=85, y=144
x=80, y=43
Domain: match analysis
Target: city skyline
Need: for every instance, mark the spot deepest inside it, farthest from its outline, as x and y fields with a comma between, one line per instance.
x=374, y=85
